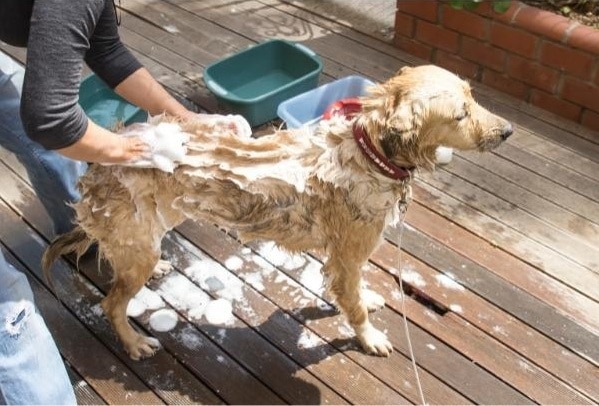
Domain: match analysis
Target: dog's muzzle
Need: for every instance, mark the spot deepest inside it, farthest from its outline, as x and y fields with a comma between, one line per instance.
x=506, y=132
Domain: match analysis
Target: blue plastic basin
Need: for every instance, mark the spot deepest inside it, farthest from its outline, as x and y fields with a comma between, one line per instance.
x=307, y=108
x=106, y=108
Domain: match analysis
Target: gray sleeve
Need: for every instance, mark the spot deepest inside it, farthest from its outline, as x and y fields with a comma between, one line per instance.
x=107, y=56
x=60, y=38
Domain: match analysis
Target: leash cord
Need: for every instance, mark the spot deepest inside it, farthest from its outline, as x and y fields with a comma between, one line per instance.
x=403, y=211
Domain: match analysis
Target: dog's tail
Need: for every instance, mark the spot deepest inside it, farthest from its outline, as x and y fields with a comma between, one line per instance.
x=76, y=241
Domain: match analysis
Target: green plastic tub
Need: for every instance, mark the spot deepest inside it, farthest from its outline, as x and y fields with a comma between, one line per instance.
x=253, y=82
x=106, y=108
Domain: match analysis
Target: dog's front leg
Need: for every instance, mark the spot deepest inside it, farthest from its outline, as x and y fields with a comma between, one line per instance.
x=345, y=285
x=132, y=269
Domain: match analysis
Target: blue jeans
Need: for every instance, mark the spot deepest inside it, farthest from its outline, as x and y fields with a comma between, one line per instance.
x=31, y=369
x=53, y=176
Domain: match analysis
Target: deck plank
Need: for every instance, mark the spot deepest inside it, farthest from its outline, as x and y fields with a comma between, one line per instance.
x=275, y=324
x=484, y=302
x=476, y=344
x=190, y=41
x=392, y=372
x=514, y=241
x=84, y=393
x=485, y=173
x=577, y=194
x=560, y=155
x=289, y=289
x=567, y=301
x=583, y=254
x=106, y=374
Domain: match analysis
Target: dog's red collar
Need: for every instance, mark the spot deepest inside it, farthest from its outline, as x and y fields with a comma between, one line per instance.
x=386, y=167
x=349, y=108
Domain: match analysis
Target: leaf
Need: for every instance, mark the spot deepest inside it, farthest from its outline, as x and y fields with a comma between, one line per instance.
x=471, y=5
x=501, y=6
x=457, y=4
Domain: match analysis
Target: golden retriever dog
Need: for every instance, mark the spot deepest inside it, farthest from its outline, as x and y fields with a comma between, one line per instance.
x=333, y=190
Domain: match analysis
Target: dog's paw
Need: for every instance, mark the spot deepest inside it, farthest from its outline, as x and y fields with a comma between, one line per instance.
x=372, y=300
x=162, y=268
x=142, y=347
x=374, y=341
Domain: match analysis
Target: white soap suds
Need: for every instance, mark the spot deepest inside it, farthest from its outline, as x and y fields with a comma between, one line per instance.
x=308, y=339
x=234, y=263
x=397, y=294
x=135, y=308
x=166, y=142
x=280, y=258
x=500, y=330
x=215, y=279
x=189, y=337
x=413, y=277
x=456, y=308
x=163, y=320
x=97, y=309
x=255, y=280
x=312, y=278
x=150, y=299
x=345, y=330
x=443, y=155
x=171, y=28
x=448, y=282
x=183, y=295
x=219, y=312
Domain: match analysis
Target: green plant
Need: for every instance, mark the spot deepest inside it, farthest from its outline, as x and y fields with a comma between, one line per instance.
x=500, y=6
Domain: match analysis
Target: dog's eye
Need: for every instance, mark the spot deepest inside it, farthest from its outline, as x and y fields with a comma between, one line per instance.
x=462, y=115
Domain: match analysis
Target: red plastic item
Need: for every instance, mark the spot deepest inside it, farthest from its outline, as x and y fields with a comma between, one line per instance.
x=346, y=107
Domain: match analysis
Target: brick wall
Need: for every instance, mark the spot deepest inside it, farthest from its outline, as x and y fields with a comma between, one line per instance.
x=535, y=55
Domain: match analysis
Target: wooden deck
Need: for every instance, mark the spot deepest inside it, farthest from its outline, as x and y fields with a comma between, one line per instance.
x=501, y=256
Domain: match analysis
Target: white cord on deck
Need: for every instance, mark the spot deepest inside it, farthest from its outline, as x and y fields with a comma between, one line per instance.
x=403, y=212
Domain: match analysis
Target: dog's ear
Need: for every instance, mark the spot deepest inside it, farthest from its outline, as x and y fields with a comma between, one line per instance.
x=393, y=115
x=403, y=122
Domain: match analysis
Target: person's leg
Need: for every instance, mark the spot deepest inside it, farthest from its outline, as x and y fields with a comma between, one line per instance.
x=53, y=176
x=31, y=369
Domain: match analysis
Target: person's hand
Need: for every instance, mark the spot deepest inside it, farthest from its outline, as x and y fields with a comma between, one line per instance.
x=128, y=149
x=102, y=146
x=143, y=145
x=159, y=146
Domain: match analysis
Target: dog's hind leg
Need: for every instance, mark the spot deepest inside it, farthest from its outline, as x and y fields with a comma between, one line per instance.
x=133, y=266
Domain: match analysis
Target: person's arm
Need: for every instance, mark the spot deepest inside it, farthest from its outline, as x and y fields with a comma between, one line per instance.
x=58, y=42
x=100, y=145
x=110, y=59
x=141, y=89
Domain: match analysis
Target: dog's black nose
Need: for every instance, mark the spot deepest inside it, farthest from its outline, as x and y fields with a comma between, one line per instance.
x=507, y=131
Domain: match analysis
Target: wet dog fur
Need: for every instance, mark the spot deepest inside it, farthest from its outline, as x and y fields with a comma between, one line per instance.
x=303, y=190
